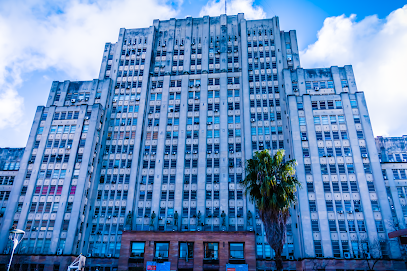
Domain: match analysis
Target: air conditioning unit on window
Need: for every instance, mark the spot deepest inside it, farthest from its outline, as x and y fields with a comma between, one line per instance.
x=253, y=120
x=208, y=152
x=216, y=152
x=216, y=110
x=364, y=155
x=195, y=152
x=59, y=251
x=316, y=88
x=291, y=258
x=303, y=138
x=109, y=255
x=73, y=101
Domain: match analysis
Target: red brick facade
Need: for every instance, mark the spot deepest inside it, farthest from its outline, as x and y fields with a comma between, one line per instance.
x=198, y=238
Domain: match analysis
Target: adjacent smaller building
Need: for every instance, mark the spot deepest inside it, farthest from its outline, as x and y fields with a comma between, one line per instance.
x=9, y=166
x=393, y=156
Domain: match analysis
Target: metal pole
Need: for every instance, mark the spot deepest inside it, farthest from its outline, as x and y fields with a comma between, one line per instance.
x=12, y=252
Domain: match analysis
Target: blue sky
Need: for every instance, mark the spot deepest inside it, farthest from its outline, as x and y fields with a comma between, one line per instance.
x=43, y=41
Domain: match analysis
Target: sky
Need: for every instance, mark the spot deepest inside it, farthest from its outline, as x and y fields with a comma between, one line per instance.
x=55, y=40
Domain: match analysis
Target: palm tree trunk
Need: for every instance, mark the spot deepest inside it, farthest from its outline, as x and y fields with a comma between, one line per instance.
x=275, y=227
x=279, y=261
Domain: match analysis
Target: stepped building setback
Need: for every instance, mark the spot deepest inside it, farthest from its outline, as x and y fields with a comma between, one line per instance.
x=142, y=165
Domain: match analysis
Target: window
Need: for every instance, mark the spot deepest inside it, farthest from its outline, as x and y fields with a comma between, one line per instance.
x=351, y=225
x=312, y=206
x=186, y=250
x=375, y=205
x=332, y=225
x=361, y=226
x=310, y=187
x=236, y=250
x=318, y=248
x=329, y=206
x=211, y=250
x=379, y=225
x=161, y=250
x=137, y=248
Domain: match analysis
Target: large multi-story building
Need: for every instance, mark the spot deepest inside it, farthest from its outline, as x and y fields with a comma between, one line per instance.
x=158, y=143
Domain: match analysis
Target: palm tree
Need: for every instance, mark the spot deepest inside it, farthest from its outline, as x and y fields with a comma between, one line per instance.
x=271, y=185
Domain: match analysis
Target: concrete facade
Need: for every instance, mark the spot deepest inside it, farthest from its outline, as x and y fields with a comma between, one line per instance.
x=158, y=142
x=393, y=154
x=9, y=166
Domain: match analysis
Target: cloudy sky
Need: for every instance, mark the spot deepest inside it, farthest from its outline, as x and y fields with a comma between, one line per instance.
x=43, y=41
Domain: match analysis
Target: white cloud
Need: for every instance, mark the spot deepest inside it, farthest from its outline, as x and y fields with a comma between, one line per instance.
x=65, y=35
x=233, y=7
x=377, y=51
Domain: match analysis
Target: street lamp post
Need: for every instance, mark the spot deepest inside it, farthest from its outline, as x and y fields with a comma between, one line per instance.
x=15, y=237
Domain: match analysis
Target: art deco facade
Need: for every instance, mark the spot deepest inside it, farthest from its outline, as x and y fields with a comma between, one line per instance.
x=158, y=143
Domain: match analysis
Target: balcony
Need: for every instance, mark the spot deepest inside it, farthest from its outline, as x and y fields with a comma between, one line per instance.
x=136, y=259
x=210, y=261
x=237, y=261
x=160, y=259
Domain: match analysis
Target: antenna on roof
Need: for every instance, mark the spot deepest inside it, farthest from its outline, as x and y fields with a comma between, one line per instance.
x=225, y=7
